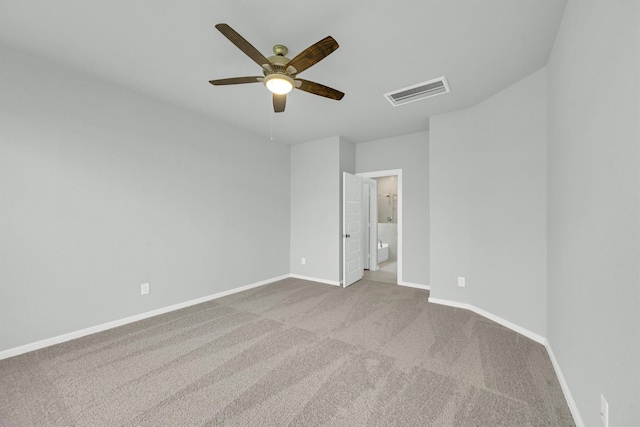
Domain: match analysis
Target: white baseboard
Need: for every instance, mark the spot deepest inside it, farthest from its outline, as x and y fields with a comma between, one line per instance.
x=565, y=387
x=109, y=325
x=315, y=279
x=519, y=329
x=415, y=285
x=532, y=335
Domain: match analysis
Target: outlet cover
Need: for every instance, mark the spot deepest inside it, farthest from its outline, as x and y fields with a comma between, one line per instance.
x=461, y=282
x=144, y=289
x=303, y=261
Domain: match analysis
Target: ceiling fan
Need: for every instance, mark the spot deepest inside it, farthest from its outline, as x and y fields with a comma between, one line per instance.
x=280, y=72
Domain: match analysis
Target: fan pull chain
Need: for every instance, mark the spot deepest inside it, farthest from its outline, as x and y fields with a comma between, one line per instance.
x=272, y=114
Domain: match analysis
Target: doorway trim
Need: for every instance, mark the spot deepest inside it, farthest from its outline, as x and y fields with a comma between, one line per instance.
x=398, y=173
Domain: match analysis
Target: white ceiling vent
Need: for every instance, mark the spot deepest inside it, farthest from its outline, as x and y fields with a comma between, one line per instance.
x=417, y=92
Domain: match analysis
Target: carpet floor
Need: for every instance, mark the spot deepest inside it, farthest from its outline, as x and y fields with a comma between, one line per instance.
x=388, y=273
x=293, y=353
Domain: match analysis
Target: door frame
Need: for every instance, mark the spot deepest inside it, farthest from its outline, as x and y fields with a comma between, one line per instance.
x=398, y=173
x=370, y=211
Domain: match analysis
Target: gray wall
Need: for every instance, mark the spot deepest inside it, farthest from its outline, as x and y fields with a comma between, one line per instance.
x=488, y=204
x=593, y=199
x=411, y=154
x=315, y=207
x=102, y=189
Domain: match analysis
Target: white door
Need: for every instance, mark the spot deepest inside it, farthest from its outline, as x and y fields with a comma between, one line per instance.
x=365, y=225
x=352, y=267
x=370, y=216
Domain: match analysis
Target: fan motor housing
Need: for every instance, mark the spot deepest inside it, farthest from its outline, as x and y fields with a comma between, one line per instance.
x=279, y=62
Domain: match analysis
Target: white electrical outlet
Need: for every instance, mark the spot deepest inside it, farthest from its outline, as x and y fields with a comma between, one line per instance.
x=303, y=261
x=604, y=411
x=144, y=289
x=461, y=282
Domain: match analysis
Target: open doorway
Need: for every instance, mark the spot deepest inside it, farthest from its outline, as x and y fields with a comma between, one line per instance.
x=387, y=227
x=385, y=252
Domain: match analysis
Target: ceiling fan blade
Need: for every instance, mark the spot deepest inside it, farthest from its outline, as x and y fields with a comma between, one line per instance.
x=243, y=45
x=313, y=54
x=279, y=102
x=318, y=89
x=236, y=80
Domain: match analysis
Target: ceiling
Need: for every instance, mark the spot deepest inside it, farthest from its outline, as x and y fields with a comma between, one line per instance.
x=170, y=50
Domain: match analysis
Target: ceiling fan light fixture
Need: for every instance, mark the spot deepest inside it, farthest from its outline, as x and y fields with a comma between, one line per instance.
x=279, y=71
x=279, y=84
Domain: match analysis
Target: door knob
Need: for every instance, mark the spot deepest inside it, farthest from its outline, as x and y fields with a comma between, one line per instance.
x=347, y=236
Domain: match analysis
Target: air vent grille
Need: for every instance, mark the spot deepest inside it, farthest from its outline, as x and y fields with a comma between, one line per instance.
x=417, y=92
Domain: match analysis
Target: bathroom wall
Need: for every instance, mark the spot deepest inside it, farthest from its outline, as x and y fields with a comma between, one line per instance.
x=388, y=208
x=388, y=199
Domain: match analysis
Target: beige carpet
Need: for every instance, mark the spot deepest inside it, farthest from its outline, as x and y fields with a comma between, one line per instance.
x=292, y=353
